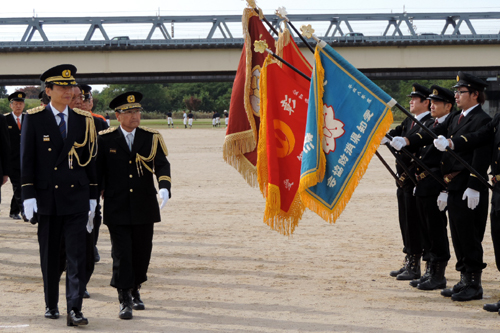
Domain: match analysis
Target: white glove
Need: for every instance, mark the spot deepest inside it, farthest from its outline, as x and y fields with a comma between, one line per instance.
x=472, y=197
x=414, y=189
x=441, y=143
x=90, y=223
x=398, y=142
x=442, y=200
x=30, y=207
x=384, y=141
x=164, y=197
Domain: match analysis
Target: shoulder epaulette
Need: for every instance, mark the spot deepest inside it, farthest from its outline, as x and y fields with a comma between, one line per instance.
x=107, y=130
x=82, y=112
x=36, y=110
x=147, y=129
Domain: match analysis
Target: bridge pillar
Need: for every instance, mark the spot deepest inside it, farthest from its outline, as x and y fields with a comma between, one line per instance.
x=492, y=104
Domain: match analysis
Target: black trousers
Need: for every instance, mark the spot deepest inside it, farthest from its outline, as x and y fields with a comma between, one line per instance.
x=51, y=230
x=131, y=247
x=402, y=215
x=467, y=230
x=414, y=228
x=436, y=244
x=495, y=225
x=16, y=204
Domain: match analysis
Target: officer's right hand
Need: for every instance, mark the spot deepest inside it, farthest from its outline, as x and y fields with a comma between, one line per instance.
x=30, y=207
x=442, y=200
x=441, y=143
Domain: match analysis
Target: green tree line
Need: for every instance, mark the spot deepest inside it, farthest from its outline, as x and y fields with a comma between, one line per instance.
x=207, y=96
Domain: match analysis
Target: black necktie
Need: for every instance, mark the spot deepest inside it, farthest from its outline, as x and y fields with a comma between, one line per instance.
x=62, y=125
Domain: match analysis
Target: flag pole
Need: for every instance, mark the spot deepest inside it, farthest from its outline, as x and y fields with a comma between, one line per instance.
x=261, y=47
x=419, y=162
x=398, y=181
x=258, y=11
x=281, y=13
x=448, y=149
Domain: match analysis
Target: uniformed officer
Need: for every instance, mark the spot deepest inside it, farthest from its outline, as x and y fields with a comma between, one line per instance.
x=226, y=118
x=129, y=156
x=428, y=189
x=467, y=197
x=58, y=177
x=485, y=135
x=14, y=123
x=409, y=221
x=100, y=125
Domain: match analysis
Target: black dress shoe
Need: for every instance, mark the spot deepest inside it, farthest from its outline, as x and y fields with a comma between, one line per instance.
x=86, y=294
x=492, y=307
x=15, y=216
x=76, y=318
x=51, y=313
x=25, y=219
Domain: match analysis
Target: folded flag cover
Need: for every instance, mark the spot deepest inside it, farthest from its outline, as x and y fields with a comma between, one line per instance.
x=347, y=117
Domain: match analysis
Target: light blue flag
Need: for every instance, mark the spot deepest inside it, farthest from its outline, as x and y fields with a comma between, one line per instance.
x=347, y=117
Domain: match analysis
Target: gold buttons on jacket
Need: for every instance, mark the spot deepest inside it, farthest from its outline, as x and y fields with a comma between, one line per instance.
x=131, y=190
x=129, y=162
x=55, y=168
x=50, y=149
x=57, y=186
x=130, y=176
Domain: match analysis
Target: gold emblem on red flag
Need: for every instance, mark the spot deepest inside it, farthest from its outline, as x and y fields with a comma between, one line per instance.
x=260, y=46
x=284, y=138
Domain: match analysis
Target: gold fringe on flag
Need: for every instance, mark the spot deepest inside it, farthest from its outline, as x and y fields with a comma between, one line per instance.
x=331, y=215
x=277, y=219
x=317, y=176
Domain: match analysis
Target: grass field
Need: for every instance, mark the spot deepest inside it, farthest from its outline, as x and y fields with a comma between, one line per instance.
x=162, y=123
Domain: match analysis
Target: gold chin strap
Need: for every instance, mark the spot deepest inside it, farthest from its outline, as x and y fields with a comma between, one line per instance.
x=141, y=160
x=91, y=135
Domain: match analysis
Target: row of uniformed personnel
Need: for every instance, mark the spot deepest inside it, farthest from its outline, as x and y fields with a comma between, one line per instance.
x=473, y=136
x=62, y=174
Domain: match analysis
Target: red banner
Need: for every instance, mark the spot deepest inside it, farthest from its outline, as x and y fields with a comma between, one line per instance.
x=284, y=96
x=240, y=144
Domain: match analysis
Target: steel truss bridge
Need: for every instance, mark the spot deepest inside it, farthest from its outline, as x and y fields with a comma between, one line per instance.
x=224, y=31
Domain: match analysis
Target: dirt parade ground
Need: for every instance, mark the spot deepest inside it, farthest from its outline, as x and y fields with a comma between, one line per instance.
x=216, y=267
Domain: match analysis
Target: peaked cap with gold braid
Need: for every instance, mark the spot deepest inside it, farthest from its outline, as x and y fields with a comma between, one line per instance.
x=126, y=101
x=61, y=75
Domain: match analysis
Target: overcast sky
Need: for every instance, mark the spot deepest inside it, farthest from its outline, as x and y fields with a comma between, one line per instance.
x=64, y=8
x=198, y=7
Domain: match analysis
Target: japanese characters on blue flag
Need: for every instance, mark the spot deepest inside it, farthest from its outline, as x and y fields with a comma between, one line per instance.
x=346, y=119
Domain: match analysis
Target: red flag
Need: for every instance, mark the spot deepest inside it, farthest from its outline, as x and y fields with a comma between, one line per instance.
x=284, y=96
x=240, y=144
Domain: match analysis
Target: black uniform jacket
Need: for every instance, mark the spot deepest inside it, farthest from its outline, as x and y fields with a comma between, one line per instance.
x=478, y=158
x=15, y=140
x=129, y=189
x=5, y=167
x=61, y=187
x=405, y=129
x=430, y=156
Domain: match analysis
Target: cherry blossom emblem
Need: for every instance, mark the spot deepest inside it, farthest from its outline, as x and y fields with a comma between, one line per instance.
x=332, y=129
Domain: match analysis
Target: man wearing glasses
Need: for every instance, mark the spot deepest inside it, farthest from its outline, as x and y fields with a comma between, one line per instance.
x=467, y=197
x=128, y=158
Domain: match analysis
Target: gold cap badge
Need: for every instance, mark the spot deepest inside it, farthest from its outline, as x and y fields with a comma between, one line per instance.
x=458, y=78
x=435, y=92
x=131, y=99
x=66, y=74
x=414, y=89
x=20, y=95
